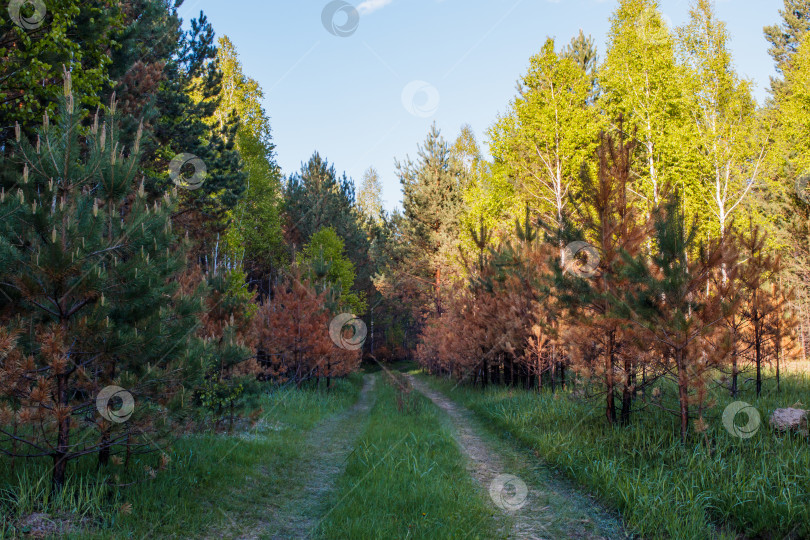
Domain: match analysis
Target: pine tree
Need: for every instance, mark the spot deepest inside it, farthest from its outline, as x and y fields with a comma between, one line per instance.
x=786, y=38
x=762, y=301
x=677, y=301
x=582, y=50
x=370, y=197
x=227, y=328
x=88, y=286
x=74, y=34
x=432, y=205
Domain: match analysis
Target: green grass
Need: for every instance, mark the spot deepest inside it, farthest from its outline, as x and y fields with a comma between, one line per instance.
x=407, y=478
x=210, y=478
x=717, y=486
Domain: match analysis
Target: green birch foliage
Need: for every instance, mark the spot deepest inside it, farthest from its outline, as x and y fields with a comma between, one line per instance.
x=730, y=145
x=255, y=233
x=550, y=131
x=331, y=270
x=792, y=163
x=642, y=82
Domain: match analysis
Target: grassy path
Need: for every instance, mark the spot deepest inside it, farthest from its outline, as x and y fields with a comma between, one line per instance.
x=549, y=510
x=407, y=477
x=326, y=447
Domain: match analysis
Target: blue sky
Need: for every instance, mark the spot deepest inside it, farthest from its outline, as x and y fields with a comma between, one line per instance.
x=368, y=97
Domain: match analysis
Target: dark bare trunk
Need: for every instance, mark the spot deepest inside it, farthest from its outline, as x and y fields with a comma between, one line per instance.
x=683, y=393
x=60, y=456
x=610, y=409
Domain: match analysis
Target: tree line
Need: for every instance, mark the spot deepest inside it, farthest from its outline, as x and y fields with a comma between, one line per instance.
x=642, y=220
x=156, y=268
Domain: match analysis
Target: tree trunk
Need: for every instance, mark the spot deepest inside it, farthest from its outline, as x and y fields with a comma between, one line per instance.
x=610, y=410
x=735, y=372
x=60, y=456
x=683, y=393
x=104, y=450
x=627, y=393
x=756, y=319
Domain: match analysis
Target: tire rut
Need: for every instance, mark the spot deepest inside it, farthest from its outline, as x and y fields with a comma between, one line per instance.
x=328, y=446
x=536, y=518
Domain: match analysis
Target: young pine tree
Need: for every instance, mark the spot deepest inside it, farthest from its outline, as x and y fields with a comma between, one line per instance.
x=611, y=219
x=87, y=286
x=677, y=302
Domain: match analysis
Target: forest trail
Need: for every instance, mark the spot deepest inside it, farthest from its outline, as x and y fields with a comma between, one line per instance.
x=550, y=511
x=324, y=454
x=327, y=447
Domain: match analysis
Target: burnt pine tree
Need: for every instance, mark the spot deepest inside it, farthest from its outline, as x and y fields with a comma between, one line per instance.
x=610, y=219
